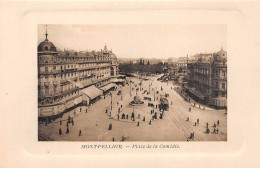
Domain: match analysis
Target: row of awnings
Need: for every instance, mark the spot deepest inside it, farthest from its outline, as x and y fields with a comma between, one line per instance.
x=93, y=92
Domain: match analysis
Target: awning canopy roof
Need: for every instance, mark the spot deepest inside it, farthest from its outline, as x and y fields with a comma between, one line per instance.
x=92, y=92
x=107, y=87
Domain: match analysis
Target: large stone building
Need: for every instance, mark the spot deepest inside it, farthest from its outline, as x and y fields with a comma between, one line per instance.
x=207, y=79
x=69, y=78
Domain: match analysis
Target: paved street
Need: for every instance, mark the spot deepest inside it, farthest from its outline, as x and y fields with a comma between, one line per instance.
x=173, y=127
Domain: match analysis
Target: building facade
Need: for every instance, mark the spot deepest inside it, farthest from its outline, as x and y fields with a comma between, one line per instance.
x=207, y=79
x=69, y=78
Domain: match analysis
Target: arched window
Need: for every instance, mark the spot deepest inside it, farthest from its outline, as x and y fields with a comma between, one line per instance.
x=46, y=47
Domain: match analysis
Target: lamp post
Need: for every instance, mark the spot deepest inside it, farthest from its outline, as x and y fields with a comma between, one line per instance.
x=149, y=87
x=130, y=89
x=111, y=100
x=121, y=93
x=154, y=94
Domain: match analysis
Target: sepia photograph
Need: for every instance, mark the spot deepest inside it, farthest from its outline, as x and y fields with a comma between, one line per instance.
x=132, y=82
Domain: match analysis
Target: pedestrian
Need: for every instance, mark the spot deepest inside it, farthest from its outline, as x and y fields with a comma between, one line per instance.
x=79, y=109
x=214, y=131
x=150, y=122
x=218, y=122
x=72, y=121
x=144, y=119
x=106, y=110
x=118, y=117
x=156, y=106
x=188, y=119
x=46, y=122
x=67, y=124
x=207, y=130
x=86, y=110
x=113, y=139
x=195, y=124
x=79, y=133
x=121, y=106
x=198, y=120
x=60, y=122
x=214, y=125
x=60, y=131
x=217, y=130
x=207, y=124
x=67, y=131
x=190, y=136
x=127, y=116
x=117, y=103
x=138, y=123
x=189, y=109
x=69, y=118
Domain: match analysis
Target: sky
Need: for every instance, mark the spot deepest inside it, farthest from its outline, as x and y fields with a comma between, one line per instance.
x=138, y=41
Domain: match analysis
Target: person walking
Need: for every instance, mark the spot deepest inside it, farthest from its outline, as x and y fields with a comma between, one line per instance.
x=86, y=110
x=198, y=120
x=67, y=131
x=217, y=131
x=195, y=124
x=138, y=123
x=190, y=109
x=79, y=109
x=188, y=119
x=207, y=125
x=144, y=119
x=113, y=139
x=60, y=131
x=121, y=106
x=214, y=131
x=127, y=116
x=79, y=133
x=72, y=121
x=218, y=122
x=150, y=122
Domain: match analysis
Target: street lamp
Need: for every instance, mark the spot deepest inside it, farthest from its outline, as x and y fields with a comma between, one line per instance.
x=111, y=100
x=154, y=94
x=149, y=87
x=130, y=89
x=121, y=93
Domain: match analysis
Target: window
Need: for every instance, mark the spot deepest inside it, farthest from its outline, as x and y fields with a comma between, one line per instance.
x=54, y=89
x=216, y=93
x=223, y=86
x=46, y=90
x=46, y=47
x=54, y=68
x=216, y=84
x=46, y=69
x=61, y=67
x=223, y=94
x=224, y=74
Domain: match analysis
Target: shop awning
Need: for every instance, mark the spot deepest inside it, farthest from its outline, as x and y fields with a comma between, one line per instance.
x=92, y=92
x=107, y=87
x=117, y=80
